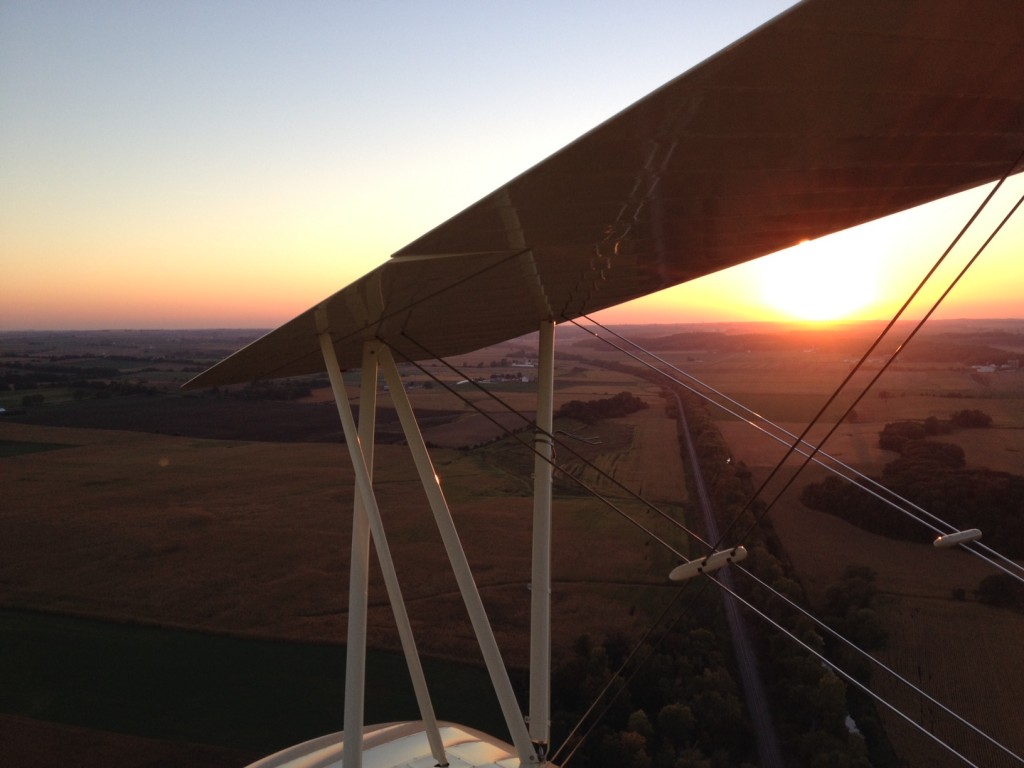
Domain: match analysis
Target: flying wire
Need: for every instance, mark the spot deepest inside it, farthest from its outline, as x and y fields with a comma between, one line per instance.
x=800, y=440
x=823, y=625
x=877, y=662
x=557, y=756
x=845, y=675
x=882, y=369
x=837, y=467
x=795, y=447
x=558, y=442
x=675, y=552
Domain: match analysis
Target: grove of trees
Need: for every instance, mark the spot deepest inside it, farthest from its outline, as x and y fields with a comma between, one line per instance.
x=933, y=475
x=589, y=411
x=676, y=701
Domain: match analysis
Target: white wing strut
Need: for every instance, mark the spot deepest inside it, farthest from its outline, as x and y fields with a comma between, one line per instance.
x=460, y=565
x=359, y=571
x=364, y=486
x=530, y=744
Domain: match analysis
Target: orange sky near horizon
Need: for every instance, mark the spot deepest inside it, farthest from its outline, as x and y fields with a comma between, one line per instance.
x=861, y=274
x=205, y=166
x=868, y=272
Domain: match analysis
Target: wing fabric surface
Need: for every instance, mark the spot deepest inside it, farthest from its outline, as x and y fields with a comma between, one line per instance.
x=833, y=114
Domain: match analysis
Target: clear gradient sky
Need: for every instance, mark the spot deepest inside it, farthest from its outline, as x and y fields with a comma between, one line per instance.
x=229, y=164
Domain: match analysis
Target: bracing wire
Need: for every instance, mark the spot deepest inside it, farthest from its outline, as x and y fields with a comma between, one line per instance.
x=557, y=756
x=837, y=467
x=818, y=622
x=562, y=445
x=811, y=455
x=528, y=444
x=882, y=369
x=797, y=448
x=864, y=358
x=846, y=675
x=877, y=662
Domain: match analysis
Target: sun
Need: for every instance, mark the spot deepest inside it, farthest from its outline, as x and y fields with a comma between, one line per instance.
x=825, y=280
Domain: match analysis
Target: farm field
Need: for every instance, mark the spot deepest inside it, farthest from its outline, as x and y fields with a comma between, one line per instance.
x=250, y=538
x=231, y=533
x=966, y=654
x=228, y=512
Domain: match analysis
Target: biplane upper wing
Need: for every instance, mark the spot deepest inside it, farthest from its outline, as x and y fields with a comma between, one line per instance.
x=832, y=114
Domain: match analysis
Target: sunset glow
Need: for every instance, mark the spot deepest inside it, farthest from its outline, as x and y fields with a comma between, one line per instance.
x=198, y=166
x=827, y=279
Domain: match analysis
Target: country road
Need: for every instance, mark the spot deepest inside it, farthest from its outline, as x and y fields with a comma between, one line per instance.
x=768, y=752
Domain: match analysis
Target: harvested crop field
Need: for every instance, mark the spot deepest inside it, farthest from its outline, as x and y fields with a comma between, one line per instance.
x=967, y=656
x=251, y=538
x=853, y=444
x=964, y=653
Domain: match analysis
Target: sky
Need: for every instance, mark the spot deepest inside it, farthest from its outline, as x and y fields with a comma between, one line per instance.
x=230, y=164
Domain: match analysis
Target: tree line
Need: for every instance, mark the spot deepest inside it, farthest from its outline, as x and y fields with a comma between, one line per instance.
x=810, y=703
x=934, y=475
x=589, y=411
x=678, y=703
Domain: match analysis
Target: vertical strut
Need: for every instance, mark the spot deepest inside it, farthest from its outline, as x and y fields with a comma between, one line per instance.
x=460, y=565
x=359, y=573
x=353, y=755
x=540, y=595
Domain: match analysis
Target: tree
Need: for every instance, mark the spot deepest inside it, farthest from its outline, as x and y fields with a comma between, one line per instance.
x=589, y=411
x=895, y=434
x=914, y=454
x=676, y=723
x=1002, y=591
x=639, y=723
x=971, y=417
x=625, y=749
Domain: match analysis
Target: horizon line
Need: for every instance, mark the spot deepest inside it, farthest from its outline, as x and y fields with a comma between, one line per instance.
x=822, y=325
